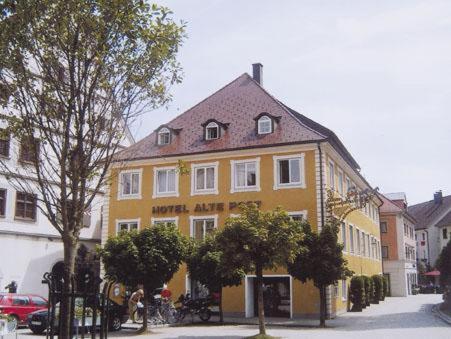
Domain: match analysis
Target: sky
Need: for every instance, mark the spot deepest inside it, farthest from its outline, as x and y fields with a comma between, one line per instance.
x=378, y=73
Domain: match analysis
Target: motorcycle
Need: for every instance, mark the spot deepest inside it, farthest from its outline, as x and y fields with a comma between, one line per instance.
x=199, y=307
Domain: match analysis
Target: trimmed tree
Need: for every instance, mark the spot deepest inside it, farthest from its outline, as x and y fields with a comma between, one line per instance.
x=256, y=241
x=357, y=293
x=320, y=260
x=149, y=258
x=385, y=286
x=369, y=290
x=205, y=264
x=444, y=266
x=73, y=75
x=378, y=288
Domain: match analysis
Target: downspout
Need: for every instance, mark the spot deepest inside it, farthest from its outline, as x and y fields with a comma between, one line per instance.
x=320, y=151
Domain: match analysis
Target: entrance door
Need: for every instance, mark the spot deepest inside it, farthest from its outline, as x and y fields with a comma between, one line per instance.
x=276, y=296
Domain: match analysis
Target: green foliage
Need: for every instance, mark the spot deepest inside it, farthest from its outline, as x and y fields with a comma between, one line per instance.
x=268, y=239
x=205, y=264
x=444, y=265
x=321, y=258
x=150, y=257
x=384, y=286
x=378, y=288
x=357, y=293
x=369, y=289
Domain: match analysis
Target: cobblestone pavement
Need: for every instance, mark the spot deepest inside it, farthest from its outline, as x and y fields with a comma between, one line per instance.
x=398, y=318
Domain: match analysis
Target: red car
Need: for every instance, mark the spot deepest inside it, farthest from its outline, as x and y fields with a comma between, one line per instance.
x=20, y=305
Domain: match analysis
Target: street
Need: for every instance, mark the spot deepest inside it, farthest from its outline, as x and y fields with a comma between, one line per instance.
x=409, y=317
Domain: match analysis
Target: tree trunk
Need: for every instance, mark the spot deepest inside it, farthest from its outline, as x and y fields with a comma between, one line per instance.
x=221, y=314
x=322, y=309
x=261, y=311
x=146, y=310
x=70, y=251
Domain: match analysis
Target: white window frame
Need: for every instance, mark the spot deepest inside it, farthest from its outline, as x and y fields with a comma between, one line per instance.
x=194, y=168
x=332, y=175
x=164, y=130
x=165, y=219
x=277, y=158
x=157, y=194
x=127, y=221
x=256, y=188
x=265, y=119
x=358, y=237
x=193, y=218
x=340, y=184
x=344, y=290
x=211, y=125
x=351, y=238
x=303, y=213
x=344, y=238
x=120, y=195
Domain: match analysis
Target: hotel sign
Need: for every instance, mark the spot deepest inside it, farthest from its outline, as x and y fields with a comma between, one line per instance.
x=202, y=207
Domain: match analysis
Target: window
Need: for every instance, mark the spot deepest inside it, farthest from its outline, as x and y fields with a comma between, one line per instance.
x=25, y=206
x=2, y=202
x=165, y=182
x=298, y=215
x=363, y=245
x=331, y=175
x=289, y=171
x=4, y=143
x=264, y=125
x=245, y=175
x=343, y=235
x=130, y=184
x=127, y=225
x=201, y=226
x=340, y=182
x=164, y=136
x=445, y=233
x=212, y=131
x=384, y=252
x=348, y=185
x=29, y=150
x=38, y=301
x=383, y=227
x=344, y=290
x=423, y=236
x=204, y=178
x=351, y=238
x=357, y=233
x=20, y=301
x=164, y=221
x=368, y=245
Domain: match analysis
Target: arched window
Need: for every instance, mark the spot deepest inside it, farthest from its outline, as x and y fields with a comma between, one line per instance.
x=212, y=131
x=164, y=136
x=264, y=125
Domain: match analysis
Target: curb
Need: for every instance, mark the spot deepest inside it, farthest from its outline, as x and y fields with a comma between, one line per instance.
x=436, y=310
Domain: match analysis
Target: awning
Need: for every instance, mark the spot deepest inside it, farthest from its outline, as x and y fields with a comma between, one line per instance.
x=433, y=273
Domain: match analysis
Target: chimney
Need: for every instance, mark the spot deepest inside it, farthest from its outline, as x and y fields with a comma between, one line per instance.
x=257, y=73
x=438, y=197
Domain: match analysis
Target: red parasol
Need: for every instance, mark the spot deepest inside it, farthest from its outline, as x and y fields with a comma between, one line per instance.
x=434, y=273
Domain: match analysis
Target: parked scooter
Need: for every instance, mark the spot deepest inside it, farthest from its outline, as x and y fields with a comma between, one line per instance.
x=193, y=307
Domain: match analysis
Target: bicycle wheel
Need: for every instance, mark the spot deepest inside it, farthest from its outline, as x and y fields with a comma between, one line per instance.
x=205, y=314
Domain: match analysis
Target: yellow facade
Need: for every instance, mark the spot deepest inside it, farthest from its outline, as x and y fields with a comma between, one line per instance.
x=222, y=204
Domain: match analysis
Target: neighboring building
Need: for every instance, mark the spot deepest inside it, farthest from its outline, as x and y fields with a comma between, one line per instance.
x=29, y=244
x=243, y=145
x=398, y=244
x=433, y=228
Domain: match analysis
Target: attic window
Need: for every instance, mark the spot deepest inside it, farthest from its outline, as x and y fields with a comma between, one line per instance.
x=212, y=131
x=164, y=136
x=264, y=125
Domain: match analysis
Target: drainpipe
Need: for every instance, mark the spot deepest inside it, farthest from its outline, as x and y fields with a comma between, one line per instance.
x=320, y=151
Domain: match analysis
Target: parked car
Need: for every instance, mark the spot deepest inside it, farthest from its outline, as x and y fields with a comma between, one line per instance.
x=38, y=321
x=20, y=306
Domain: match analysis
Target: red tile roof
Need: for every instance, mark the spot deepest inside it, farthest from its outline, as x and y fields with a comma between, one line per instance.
x=236, y=104
x=389, y=206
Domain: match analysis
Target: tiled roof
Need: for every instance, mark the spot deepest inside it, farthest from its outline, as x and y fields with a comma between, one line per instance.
x=427, y=212
x=236, y=104
x=388, y=206
x=445, y=221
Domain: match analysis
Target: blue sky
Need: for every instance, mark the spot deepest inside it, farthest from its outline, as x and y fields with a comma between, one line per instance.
x=378, y=73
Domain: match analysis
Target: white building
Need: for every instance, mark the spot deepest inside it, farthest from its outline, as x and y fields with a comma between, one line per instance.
x=29, y=244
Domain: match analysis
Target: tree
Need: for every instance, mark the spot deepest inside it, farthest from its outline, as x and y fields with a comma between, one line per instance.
x=321, y=261
x=206, y=265
x=73, y=75
x=444, y=266
x=149, y=258
x=378, y=288
x=255, y=241
x=357, y=293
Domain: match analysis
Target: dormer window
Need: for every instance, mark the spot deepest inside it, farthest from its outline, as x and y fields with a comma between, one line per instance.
x=164, y=136
x=264, y=125
x=212, y=131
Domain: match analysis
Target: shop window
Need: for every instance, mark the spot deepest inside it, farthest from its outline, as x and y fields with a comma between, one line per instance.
x=130, y=184
x=245, y=175
x=26, y=206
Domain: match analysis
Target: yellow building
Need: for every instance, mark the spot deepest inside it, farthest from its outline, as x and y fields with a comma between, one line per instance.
x=241, y=144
